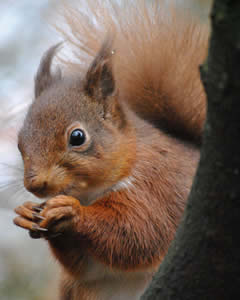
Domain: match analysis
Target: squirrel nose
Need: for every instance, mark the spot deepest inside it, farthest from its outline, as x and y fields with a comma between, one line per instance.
x=38, y=188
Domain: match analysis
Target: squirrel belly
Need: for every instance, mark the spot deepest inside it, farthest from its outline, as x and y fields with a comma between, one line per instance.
x=114, y=145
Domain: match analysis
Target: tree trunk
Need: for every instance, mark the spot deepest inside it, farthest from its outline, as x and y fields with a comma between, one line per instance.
x=203, y=261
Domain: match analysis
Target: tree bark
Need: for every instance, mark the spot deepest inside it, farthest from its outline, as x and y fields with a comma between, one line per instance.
x=203, y=262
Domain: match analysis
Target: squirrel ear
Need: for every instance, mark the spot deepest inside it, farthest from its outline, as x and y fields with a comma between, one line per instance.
x=99, y=80
x=44, y=78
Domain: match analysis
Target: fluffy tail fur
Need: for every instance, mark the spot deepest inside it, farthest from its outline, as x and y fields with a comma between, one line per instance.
x=157, y=52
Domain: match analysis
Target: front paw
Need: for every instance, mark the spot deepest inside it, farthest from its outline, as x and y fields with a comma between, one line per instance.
x=50, y=219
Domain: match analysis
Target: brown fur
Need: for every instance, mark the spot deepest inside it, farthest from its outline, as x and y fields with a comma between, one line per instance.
x=117, y=199
x=157, y=52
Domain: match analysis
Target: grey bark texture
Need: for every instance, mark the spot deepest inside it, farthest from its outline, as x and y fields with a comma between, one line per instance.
x=203, y=262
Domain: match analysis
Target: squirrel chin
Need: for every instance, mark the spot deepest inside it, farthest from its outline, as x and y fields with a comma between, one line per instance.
x=93, y=196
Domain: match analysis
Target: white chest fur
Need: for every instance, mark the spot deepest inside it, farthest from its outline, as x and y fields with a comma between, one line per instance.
x=100, y=283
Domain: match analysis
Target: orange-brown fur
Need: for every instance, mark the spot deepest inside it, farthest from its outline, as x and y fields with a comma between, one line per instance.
x=115, y=201
x=157, y=52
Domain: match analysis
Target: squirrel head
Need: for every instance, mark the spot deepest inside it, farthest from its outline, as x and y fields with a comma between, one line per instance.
x=76, y=139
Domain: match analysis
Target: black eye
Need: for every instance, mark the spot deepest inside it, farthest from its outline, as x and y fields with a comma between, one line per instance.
x=77, y=137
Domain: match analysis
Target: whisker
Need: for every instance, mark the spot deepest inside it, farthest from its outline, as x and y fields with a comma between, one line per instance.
x=9, y=182
x=18, y=194
x=14, y=167
x=13, y=182
x=30, y=176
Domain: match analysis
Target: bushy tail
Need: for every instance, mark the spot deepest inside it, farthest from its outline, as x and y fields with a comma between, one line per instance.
x=157, y=52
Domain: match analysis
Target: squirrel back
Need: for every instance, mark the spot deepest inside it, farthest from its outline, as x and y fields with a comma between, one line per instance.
x=157, y=50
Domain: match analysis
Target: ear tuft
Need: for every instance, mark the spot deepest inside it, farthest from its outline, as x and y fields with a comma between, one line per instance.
x=44, y=78
x=99, y=81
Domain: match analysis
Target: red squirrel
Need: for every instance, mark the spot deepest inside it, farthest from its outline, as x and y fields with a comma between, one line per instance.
x=112, y=146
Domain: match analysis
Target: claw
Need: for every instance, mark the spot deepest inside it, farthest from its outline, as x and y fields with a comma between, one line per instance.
x=37, y=216
x=42, y=205
x=42, y=229
x=35, y=227
x=37, y=208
